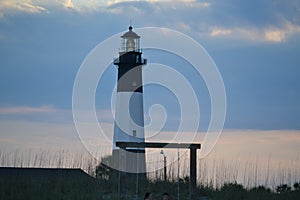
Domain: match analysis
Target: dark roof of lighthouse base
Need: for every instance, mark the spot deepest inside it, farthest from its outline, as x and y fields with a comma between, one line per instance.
x=47, y=183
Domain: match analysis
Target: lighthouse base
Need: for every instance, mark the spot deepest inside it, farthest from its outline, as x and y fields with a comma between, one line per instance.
x=130, y=160
x=131, y=165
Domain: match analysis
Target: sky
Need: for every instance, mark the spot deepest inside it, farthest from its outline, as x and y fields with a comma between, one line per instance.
x=255, y=45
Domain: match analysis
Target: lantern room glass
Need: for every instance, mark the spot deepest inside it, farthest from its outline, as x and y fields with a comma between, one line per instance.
x=130, y=44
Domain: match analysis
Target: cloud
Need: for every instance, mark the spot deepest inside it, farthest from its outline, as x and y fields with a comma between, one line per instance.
x=272, y=22
x=265, y=137
x=24, y=6
x=214, y=19
x=281, y=34
x=49, y=113
x=69, y=4
x=8, y=7
x=112, y=2
x=274, y=35
x=263, y=34
x=215, y=32
x=138, y=7
x=26, y=110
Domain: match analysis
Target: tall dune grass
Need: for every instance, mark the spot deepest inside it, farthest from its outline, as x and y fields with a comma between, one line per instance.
x=213, y=171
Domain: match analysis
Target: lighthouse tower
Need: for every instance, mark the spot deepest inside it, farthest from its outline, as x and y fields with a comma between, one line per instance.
x=129, y=116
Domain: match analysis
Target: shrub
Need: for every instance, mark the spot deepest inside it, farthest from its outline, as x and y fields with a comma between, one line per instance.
x=296, y=186
x=283, y=188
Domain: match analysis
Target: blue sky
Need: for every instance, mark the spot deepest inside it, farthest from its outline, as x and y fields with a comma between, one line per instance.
x=255, y=45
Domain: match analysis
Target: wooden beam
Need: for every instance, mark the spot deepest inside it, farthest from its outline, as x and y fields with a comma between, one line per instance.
x=125, y=145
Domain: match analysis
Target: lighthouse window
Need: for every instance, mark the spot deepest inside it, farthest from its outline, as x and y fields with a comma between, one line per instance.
x=137, y=58
x=134, y=133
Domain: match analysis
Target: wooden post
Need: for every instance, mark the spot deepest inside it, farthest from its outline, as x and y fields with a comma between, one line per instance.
x=122, y=173
x=165, y=168
x=193, y=173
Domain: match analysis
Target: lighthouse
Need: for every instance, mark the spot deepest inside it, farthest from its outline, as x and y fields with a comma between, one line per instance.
x=129, y=112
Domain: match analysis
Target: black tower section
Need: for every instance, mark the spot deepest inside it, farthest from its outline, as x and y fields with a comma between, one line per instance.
x=130, y=71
